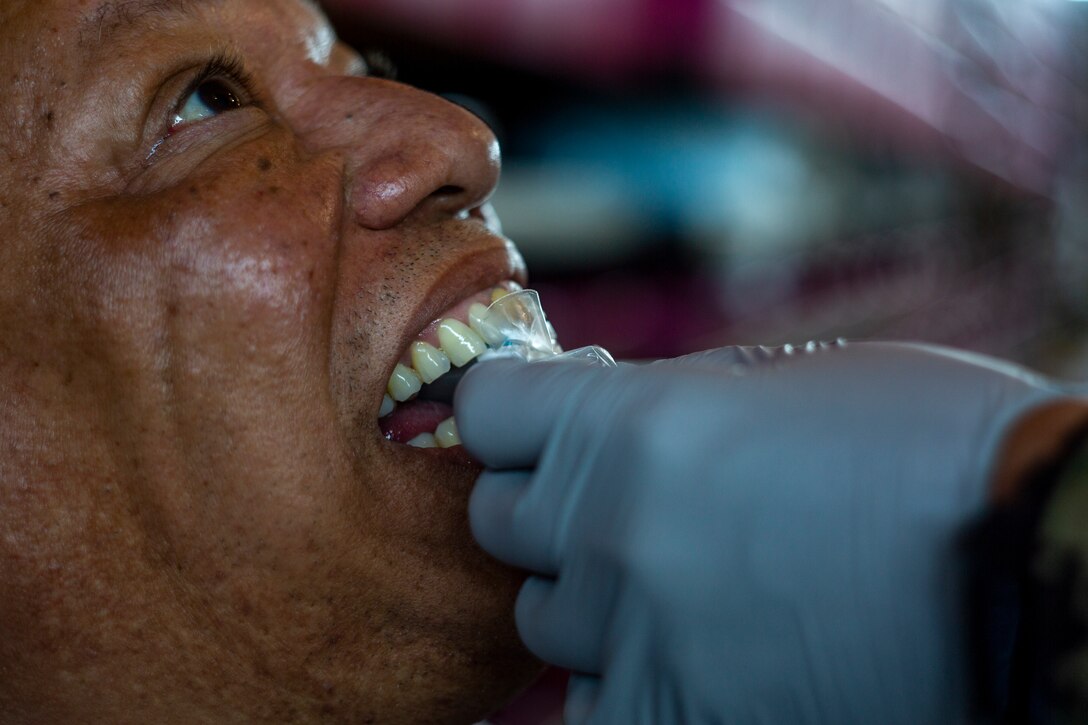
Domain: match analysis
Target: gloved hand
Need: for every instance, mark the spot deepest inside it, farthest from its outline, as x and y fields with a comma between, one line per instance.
x=744, y=535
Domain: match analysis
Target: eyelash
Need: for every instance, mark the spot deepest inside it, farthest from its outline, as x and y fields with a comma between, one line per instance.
x=226, y=67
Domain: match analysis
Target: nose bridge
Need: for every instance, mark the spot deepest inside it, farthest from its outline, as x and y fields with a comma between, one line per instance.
x=408, y=153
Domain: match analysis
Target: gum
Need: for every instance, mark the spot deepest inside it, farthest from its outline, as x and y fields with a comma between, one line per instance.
x=429, y=334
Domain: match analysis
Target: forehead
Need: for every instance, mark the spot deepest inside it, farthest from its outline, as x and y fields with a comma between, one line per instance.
x=109, y=16
x=106, y=19
x=97, y=22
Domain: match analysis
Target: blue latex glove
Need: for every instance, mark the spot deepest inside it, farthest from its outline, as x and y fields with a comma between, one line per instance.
x=744, y=535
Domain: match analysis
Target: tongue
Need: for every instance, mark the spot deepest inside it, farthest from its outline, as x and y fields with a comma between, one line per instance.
x=412, y=418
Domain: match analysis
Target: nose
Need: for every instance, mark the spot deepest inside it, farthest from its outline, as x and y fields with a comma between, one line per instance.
x=409, y=154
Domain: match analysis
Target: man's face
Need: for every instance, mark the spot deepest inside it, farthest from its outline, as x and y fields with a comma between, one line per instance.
x=218, y=239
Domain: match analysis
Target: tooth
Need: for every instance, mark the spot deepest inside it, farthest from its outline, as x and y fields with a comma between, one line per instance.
x=423, y=440
x=477, y=320
x=460, y=343
x=430, y=362
x=404, y=383
x=498, y=293
x=387, y=406
x=446, y=434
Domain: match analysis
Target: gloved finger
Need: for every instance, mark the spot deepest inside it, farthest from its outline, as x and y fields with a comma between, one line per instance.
x=723, y=359
x=740, y=360
x=505, y=409
x=561, y=624
x=582, y=694
x=497, y=518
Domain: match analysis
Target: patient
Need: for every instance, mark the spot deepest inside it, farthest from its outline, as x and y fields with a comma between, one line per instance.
x=219, y=239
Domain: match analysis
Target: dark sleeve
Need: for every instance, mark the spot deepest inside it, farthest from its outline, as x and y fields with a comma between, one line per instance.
x=1059, y=575
x=1028, y=608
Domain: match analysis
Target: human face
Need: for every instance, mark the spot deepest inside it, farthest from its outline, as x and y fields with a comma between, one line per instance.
x=200, y=519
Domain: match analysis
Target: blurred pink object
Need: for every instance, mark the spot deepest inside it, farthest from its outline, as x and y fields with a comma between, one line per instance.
x=595, y=37
x=985, y=79
x=991, y=77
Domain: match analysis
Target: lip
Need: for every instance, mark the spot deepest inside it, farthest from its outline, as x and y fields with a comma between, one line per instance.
x=470, y=276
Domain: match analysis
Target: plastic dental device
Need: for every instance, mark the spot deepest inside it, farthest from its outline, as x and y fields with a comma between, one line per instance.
x=515, y=326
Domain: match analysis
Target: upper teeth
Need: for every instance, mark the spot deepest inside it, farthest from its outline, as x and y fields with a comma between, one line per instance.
x=430, y=362
x=404, y=383
x=477, y=320
x=458, y=344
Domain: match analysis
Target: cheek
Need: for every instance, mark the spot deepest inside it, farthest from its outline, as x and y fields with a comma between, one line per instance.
x=257, y=256
x=251, y=276
x=185, y=339
x=208, y=307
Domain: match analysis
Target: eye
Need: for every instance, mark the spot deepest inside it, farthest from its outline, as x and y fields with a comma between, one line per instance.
x=222, y=85
x=211, y=97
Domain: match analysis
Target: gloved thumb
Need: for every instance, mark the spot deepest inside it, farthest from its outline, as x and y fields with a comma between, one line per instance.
x=506, y=408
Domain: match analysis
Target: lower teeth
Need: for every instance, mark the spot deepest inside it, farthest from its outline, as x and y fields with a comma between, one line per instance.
x=445, y=436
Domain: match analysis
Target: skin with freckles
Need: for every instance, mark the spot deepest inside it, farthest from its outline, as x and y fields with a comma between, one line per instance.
x=199, y=518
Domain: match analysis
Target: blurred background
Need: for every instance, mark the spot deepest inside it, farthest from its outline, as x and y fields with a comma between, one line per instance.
x=683, y=174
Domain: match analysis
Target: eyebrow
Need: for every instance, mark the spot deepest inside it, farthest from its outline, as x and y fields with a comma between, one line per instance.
x=116, y=16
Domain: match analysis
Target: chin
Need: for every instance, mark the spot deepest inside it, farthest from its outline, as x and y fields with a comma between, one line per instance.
x=450, y=607
x=457, y=601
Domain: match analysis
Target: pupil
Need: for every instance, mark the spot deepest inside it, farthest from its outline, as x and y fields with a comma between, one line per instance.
x=217, y=96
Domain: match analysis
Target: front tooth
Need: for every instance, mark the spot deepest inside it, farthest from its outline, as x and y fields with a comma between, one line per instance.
x=446, y=434
x=430, y=362
x=404, y=383
x=477, y=320
x=423, y=440
x=387, y=406
x=460, y=343
x=498, y=293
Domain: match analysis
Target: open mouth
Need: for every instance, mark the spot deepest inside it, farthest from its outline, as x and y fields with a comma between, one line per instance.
x=417, y=409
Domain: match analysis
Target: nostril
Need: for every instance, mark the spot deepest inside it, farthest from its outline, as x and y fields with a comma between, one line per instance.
x=448, y=190
x=452, y=199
